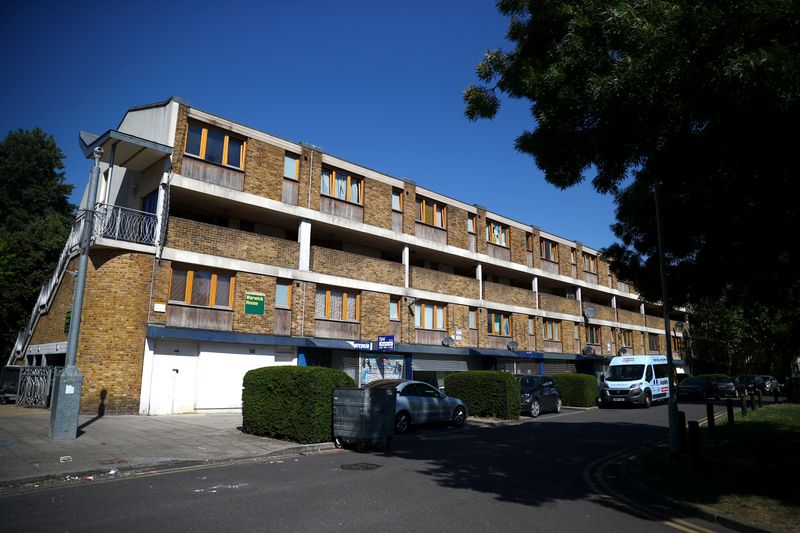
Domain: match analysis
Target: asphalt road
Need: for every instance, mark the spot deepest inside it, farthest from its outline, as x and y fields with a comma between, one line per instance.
x=530, y=477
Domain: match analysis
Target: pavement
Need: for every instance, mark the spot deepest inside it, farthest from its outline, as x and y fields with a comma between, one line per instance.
x=115, y=445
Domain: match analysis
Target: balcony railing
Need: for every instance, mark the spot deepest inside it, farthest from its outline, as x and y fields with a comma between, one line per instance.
x=124, y=224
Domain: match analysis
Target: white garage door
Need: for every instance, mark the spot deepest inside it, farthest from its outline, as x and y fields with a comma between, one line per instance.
x=172, y=388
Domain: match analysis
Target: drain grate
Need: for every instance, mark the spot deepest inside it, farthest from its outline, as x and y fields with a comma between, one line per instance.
x=360, y=466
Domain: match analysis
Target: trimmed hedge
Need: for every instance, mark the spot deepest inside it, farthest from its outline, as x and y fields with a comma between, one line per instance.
x=486, y=392
x=291, y=402
x=577, y=390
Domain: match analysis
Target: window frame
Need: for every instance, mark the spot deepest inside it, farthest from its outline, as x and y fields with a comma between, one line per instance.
x=439, y=207
x=289, y=155
x=590, y=261
x=472, y=220
x=203, y=145
x=288, y=285
x=552, y=330
x=345, y=294
x=650, y=338
x=394, y=303
x=490, y=225
x=472, y=318
x=531, y=326
x=545, y=246
x=528, y=241
x=626, y=338
x=421, y=311
x=505, y=323
x=212, y=294
x=350, y=177
x=399, y=194
x=593, y=333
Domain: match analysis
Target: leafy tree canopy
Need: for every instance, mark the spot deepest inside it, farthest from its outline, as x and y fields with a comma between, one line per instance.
x=35, y=219
x=698, y=96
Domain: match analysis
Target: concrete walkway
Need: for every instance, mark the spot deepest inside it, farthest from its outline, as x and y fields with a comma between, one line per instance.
x=113, y=445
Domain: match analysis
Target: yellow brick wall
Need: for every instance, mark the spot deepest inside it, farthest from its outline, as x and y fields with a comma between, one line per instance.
x=50, y=327
x=263, y=169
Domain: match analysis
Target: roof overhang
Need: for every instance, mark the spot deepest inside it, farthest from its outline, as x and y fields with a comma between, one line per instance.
x=129, y=151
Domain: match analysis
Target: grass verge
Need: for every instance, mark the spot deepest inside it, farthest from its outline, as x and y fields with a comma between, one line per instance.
x=750, y=470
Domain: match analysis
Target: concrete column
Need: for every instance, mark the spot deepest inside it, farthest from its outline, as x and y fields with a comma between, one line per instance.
x=160, y=217
x=304, y=238
x=641, y=309
x=535, y=289
x=406, y=258
x=479, y=277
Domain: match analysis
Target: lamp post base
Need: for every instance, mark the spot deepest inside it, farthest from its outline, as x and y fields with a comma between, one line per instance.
x=66, y=405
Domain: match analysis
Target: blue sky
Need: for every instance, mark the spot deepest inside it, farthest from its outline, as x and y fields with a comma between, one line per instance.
x=376, y=83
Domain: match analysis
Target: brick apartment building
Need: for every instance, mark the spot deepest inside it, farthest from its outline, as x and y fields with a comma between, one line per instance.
x=219, y=248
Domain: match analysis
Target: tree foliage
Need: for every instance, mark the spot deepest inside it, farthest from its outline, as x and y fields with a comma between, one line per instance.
x=699, y=97
x=35, y=219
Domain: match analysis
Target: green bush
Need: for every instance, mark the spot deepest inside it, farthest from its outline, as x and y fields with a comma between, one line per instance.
x=291, y=402
x=577, y=390
x=486, y=392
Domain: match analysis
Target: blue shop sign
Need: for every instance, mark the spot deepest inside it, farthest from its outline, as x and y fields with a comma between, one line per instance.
x=385, y=343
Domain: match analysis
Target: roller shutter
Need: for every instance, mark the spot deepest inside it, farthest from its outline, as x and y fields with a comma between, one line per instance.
x=434, y=363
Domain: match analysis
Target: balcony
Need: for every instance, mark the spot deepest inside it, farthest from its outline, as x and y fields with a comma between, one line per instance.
x=192, y=236
x=602, y=312
x=341, y=208
x=630, y=317
x=336, y=329
x=505, y=294
x=430, y=233
x=211, y=173
x=356, y=266
x=436, y=281
x=550, y=302
x=123, y=224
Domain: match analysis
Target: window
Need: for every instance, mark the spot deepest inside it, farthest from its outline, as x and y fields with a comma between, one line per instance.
x=397, y=200
x=529, y=241
x=593, y=334
x=214, y=145
x=283, y=294
x=337, y=304
x=497, y=233
x=431, y=212
x=201, y=287
x=499, y=323
x=429, y=315
x=342, y=185
x=590, y=263
x=548, y=250
x=626, y=337
x=471, y=222
x=394, y=309
x=530, y=326
x=552, y=330
x=473, y=323
x=652, y=342
x=291, y=166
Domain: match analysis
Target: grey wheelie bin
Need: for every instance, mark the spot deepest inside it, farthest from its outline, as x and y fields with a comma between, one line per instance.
x=363, y=417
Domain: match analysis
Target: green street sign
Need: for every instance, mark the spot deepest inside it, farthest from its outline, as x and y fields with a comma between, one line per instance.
x=254, y=303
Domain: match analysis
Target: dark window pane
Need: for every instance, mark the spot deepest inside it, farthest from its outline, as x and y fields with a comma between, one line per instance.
x=235, y=152
x=223, y=294
x=201, y=288
x=214, y=144
x=193, y=139
x=177, y=292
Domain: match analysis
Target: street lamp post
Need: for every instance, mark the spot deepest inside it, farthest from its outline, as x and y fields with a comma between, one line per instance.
x=66, y=404
x=674, y=436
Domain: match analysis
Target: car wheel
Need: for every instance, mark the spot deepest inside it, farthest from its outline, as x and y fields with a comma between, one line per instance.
x=648, y=400
x=401, y=422
x=535, y=408
x=459, y=416
x=3, y=400
x=558, y=404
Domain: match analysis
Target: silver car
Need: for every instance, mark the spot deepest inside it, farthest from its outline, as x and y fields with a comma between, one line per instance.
x=419, y=403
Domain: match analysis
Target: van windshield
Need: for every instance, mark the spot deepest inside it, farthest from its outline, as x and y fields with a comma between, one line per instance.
x=625, y=372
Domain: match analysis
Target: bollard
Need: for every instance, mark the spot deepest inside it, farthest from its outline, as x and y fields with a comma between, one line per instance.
x=712, y=422
x=760, y=399
x=744, y=406
x=694, y=441
x=682, y=428
x=752, y=402
x=729, y=405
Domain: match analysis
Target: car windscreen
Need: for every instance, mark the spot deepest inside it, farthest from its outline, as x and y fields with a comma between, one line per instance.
x=693, y=382
x=625, y=372
x=529, y=384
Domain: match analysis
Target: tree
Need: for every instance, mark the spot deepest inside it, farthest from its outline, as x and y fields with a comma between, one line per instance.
x=35, y=220
x=697, y=97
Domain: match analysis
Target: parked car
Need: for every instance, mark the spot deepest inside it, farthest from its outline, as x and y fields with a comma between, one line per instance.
x=420, y=403
x=539, y=393
x=768, y=384
x=694, y=388
x=727, y=387
x=750, y=382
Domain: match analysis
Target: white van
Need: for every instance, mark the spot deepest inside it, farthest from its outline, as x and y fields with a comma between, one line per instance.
x=637, y=379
